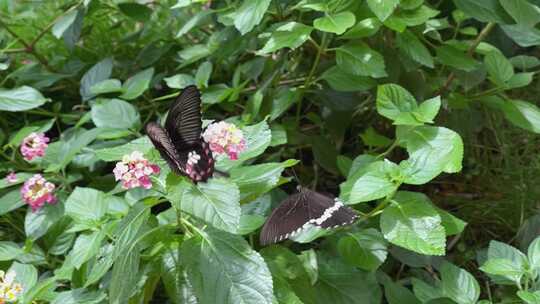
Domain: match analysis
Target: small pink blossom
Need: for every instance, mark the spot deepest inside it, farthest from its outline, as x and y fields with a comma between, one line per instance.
x=11, y=178
x=225, y=138
x=134, y=171
x=34, y=145
x=37, y=191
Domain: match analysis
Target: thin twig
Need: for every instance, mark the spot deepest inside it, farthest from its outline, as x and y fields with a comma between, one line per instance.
x=485, y=31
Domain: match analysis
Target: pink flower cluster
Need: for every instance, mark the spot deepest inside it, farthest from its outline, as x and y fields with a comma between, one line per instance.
x=34, y=145
x=11, y=178
x=10, y=290
x=36, y=191
x=134, y=171
x=225, y=138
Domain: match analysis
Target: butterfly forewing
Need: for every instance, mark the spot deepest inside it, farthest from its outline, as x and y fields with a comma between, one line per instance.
x=184, y=123
x=164, y=145
x=299, y=210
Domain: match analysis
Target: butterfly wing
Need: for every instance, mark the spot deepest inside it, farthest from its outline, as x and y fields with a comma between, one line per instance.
x=166, y=148
x=184, y=124
x=301, y=209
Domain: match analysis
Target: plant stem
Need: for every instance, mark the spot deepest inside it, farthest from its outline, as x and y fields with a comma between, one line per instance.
x=481, y=36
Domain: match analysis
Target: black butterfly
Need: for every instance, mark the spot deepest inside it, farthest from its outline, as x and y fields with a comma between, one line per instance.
x=301, y=209
x=180, y=142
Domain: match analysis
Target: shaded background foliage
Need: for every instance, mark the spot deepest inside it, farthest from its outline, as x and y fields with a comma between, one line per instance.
x=332, y=88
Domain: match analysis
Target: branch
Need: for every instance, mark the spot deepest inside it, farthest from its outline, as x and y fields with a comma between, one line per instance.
x=485, y=31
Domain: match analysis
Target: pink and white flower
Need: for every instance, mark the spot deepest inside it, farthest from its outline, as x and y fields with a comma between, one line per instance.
x=37, y=191
x=11, y=178
x=9, y=289
x=34, y=145
x=225, y=138
x=134, y=171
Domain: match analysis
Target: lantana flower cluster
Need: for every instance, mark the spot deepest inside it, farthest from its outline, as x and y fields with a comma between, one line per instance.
x=134, y=171
x=34, y=145
x=11, y=178
x=225, y=138
x=37, y=191
x=9, y=289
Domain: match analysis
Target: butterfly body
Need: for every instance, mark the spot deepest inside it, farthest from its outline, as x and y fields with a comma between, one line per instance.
x=300, y=210
x=180, y=142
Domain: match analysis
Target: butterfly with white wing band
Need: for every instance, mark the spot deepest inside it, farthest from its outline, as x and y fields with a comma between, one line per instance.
x=302, y=209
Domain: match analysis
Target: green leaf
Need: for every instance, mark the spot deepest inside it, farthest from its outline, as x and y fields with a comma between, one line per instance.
x=179, y=81
x=529, y=297
x=525, y=62
x=37, y=127
x=335, y=23
x=27, y=276
x=137, y=84
x=124, y=276
x=36, y=224
x=250, y=14
x=203, y=74
x=414, y=48
x=106, y=86
x=338, y=283
x=115, y=113
x=425, y=292
x=520, y=80
x=196, y=20
x=382, y=8
x=459, y=285
x=524, y=36
x=371, y=138
x=63, y=23
x=365, y=28
x=402, y=19
x=135, y=11
x=342, y=81
x=20, y=99
x=86, y=204
x=175, y=279
x=371, y=182
x=521, y=113
x=396, y=293
x=451, y=56
x=397, y=104
x=255, y=180
x=258, y=138
x=432, y=150
x=365, y=249
x=452, y=225
x=359, y=59
x=533, y=253
x=283, y=100
x=216, y=93
x=485, y=11
x=99, y=72
x=86, y=246
x=66, y=150
x=522, y=11
x=9, y=251
x=504, y=268
x=413, y=223
x=290, y=35
x=217, y=202
x=505, y=261
x=498, y=67
x=223, y=268
x=142, y=144
x=79, y=296
x=10, y=201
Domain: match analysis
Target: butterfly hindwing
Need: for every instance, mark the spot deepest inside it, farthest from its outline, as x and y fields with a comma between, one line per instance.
x=301, y=209
x=166, y=148
x=184, y=123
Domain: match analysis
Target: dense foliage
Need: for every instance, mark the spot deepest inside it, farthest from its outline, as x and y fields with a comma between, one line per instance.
x=418, y=114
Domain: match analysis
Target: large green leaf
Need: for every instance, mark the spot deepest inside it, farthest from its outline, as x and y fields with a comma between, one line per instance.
x=79, y=296
x=86, y=204
x=335, y=23
x=37, y=223
x=250, y=14
x=11, y=201
x=485, y=10
x=498, y=67
x=339, y=283
x=414, y=48
x=20, y=99
x=371, y=182
x=413, y=223
x=522, y=11
x=63, y=23
x=136, y=85
x=359, y=59
x=521, y=113
x=362, y=29
x=26, y=275
x=37, y=127
x=142, y=144
x=61, y=153
x=115, y=113
x=524, y=36
x=86, y=246
x=135, y=11
x=341, y=81
x=9, y=250
x=223, y=268
x=456, y=58
x=382, y=8
x=396, y=293
x=458, y=284
x=175, y=278
x=365, y=249
x=432, y=150
x=533, y=253
x=217, y=202
x=99, y=72
x=290, y=35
